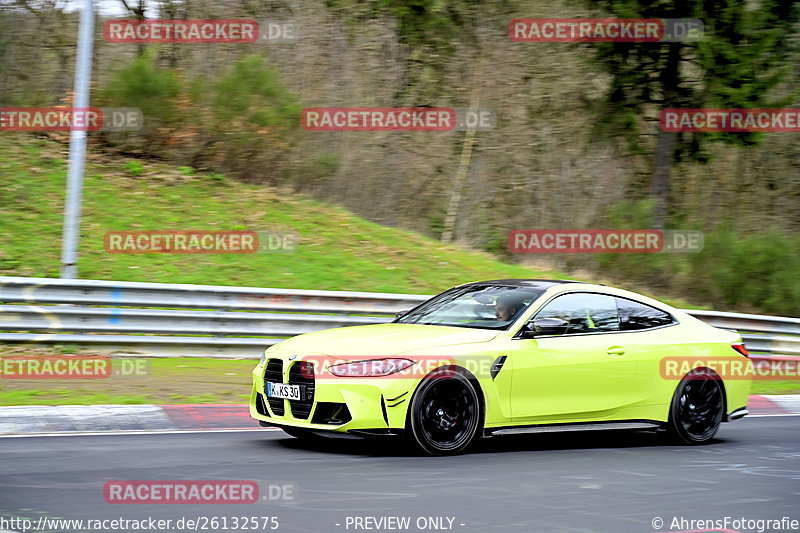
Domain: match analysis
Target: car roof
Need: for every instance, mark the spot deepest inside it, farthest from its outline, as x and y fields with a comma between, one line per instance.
x=535, y=283
x=560, y=286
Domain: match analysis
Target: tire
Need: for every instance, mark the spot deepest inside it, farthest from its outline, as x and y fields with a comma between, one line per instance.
x=697, y=408
x=445, y=414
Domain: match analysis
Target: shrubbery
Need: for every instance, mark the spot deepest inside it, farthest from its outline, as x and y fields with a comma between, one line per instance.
x=239, y=123
x=737, y=271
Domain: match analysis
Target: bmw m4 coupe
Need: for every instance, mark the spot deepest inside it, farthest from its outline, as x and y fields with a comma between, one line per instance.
x=504, y=357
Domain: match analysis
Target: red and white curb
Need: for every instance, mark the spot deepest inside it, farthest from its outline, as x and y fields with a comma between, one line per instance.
x=37, y=419
x=65, y=419
x=774, y=404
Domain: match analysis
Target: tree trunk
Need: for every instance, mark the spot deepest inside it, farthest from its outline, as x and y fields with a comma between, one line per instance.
x=456, y=190
x=665, y=144
x=662, y=171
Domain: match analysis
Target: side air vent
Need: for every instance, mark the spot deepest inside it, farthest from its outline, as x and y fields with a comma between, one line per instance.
x=497, y=365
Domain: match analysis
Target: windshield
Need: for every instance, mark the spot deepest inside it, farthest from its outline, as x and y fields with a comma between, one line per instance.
x=474, y=306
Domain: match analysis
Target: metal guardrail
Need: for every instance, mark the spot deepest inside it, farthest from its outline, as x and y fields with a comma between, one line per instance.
x=218, y=321
x=773, y=335
x=175, y=319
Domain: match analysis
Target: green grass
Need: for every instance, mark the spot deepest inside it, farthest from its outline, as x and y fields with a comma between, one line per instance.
x=337, y=250
x=776, y=387
x=164, y=381
x=66, y=397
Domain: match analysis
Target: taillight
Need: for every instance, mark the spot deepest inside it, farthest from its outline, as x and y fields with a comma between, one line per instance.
x=739, y=347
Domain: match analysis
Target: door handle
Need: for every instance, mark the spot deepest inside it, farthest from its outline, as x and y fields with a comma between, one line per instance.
x=616, y=351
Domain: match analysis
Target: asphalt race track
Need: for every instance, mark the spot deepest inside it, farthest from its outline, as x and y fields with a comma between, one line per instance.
x=593, y=481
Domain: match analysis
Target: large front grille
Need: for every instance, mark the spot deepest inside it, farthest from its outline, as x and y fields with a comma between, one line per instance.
x=302, y=373
x=274, y=373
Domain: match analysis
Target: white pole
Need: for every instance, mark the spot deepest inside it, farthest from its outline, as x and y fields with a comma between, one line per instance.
x=77, y=147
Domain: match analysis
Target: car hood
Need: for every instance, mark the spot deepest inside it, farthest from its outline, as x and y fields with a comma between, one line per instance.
x=380, y=340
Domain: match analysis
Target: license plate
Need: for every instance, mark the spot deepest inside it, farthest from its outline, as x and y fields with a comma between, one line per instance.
x=281, y=390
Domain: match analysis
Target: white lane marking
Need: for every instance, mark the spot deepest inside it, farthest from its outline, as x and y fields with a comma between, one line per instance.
x=154, y=432
x=777, y=414
x=629, y=473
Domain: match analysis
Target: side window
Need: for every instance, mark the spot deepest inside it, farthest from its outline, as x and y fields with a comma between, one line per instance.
x=634, y=316
x=584, y=312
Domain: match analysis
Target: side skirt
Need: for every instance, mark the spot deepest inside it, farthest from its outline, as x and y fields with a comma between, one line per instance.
x=578, y=426
x=736, y=415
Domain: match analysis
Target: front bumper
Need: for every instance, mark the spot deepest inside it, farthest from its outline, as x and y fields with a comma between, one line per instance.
x=356, y=405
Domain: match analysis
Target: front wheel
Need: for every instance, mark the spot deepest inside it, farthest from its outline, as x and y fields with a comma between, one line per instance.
x=697, y=408
x=445, y=413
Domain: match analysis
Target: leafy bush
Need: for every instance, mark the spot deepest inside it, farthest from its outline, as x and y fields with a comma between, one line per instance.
x=143, y=85
x=253, y=115
x=756, y=271
x=313, y=171
x=737, y=271
x=238, y=123
x=134, y=168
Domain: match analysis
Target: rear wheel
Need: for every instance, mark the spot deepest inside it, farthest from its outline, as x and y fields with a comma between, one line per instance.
x=697, y=408
x=445, y=413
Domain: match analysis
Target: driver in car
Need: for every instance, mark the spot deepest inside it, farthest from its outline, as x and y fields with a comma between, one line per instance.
x=507, y=306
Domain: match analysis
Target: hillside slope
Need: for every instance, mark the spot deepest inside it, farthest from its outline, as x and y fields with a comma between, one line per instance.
x=336, y=249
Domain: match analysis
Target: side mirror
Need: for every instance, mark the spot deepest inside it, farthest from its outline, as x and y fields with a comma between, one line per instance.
x=545, y=326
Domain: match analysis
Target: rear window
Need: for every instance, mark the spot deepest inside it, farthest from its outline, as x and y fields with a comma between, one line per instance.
x=635, y=316
x=584, y=312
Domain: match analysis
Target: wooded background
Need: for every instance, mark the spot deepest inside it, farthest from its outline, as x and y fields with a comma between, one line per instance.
x=576, y=142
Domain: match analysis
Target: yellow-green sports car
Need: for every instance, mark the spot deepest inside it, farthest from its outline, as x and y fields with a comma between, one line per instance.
x=504, y=357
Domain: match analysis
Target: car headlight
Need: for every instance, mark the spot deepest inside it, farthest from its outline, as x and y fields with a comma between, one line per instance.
x=371, y=368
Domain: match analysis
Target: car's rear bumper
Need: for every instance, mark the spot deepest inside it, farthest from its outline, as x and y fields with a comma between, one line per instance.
x=737, y=394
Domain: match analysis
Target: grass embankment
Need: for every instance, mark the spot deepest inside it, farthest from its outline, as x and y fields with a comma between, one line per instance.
x=336, y=250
